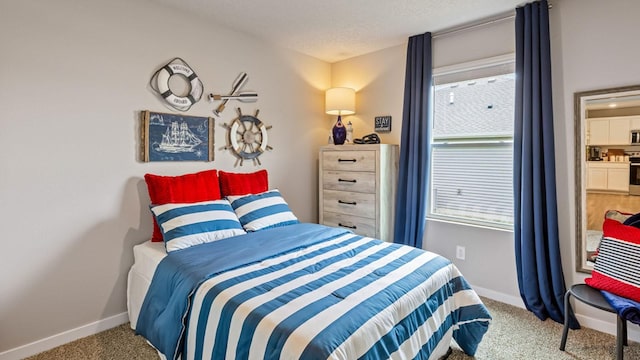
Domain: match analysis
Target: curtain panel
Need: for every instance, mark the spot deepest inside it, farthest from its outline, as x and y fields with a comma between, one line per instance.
x=411, y=200
x=537, y=246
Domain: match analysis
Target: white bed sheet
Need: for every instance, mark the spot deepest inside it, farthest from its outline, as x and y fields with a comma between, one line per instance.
x=146, y=257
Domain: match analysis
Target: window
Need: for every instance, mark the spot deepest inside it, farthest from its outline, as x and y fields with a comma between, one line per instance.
x=472, y=144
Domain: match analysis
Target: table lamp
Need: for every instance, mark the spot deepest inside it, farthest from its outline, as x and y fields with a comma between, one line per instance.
x=340, y=101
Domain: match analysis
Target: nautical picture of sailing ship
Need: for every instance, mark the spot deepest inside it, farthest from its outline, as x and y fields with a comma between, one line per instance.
x=178, y=139
x=175, y=137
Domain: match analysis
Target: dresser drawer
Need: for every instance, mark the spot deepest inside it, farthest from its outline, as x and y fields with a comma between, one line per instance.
x=349, y=160
x=363, y=182
x=361, y=226
x=348, y=202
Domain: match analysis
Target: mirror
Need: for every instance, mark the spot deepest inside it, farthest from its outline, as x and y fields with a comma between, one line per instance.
x=607, y=146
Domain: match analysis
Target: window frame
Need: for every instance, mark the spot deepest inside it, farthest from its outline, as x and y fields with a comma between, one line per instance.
x=506, y=59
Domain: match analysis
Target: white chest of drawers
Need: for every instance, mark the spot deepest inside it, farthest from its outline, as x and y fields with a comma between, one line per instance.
x=357, y=187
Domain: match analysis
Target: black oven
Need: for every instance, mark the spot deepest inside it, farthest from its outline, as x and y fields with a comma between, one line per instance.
x=634, y=175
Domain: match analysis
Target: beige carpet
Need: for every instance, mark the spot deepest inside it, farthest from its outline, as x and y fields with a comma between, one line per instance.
x=514, y=334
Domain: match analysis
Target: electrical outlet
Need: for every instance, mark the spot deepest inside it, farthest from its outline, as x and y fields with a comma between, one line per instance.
x=460, y=250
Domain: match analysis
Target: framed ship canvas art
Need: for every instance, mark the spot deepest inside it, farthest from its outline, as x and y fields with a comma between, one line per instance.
x=176, y=137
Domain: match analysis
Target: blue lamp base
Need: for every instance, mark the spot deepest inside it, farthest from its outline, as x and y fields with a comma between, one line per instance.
x=339, y=132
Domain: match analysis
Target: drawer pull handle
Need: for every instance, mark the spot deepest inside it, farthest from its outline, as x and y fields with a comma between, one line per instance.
x=347, y=160
x=347, y=202
x=348, y=226
x=348, y=180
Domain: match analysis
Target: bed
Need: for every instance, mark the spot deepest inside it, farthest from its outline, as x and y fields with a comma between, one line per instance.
x=302, y=291
x=230, y=273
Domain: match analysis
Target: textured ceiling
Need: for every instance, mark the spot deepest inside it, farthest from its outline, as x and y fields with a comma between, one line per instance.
x=334, y=30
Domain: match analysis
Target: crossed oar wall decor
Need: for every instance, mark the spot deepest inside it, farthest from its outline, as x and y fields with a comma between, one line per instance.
x=234, y=95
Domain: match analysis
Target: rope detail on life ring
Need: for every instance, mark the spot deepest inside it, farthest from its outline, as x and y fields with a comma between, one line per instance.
x=160, y=84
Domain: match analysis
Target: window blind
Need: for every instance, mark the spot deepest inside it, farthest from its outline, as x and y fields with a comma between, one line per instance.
x=474, y=181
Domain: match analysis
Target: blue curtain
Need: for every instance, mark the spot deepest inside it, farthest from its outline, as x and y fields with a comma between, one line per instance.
x=537, y=244
x=414, y=143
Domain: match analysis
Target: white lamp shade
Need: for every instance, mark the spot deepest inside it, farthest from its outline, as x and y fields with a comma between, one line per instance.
x=340, y=101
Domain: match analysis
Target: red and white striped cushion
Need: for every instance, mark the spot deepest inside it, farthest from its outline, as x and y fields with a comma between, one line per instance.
x=617, y=268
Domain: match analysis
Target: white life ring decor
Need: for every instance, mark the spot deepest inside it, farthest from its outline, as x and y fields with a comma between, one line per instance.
x=248, y=138
x=160, y=84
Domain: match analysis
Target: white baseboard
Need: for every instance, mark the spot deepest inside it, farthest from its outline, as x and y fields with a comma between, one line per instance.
x=45, y=344
x=498, y=296
x=633, y=332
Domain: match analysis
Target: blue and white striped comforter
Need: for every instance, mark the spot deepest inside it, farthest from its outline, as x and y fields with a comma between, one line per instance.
x=318, y=293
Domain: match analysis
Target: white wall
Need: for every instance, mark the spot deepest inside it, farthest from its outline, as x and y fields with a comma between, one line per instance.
x=592, y=47
x=74, y=75
x=378, y=79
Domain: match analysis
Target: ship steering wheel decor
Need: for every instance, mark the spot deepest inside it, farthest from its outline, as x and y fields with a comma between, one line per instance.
x=248, y=137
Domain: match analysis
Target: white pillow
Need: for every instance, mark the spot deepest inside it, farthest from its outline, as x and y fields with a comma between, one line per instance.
x=186, y=225
x=262, y=211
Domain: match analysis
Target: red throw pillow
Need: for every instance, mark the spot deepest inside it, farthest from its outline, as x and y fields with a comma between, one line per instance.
x=243, y=183
x=188, y=188
x=616, y=269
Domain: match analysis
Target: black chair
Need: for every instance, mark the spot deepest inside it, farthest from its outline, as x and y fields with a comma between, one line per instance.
x=593, y=297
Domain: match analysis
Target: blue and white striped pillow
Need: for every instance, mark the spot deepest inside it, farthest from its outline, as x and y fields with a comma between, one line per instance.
x=262, y=211
x=186, y=225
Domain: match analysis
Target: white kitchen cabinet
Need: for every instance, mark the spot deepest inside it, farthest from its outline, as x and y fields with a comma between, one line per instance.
x=619, y=131
x=611, y=130
x=357, y=188
x=618, y=179
x=596, y=178
x=598, y=131
x=608, y=176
